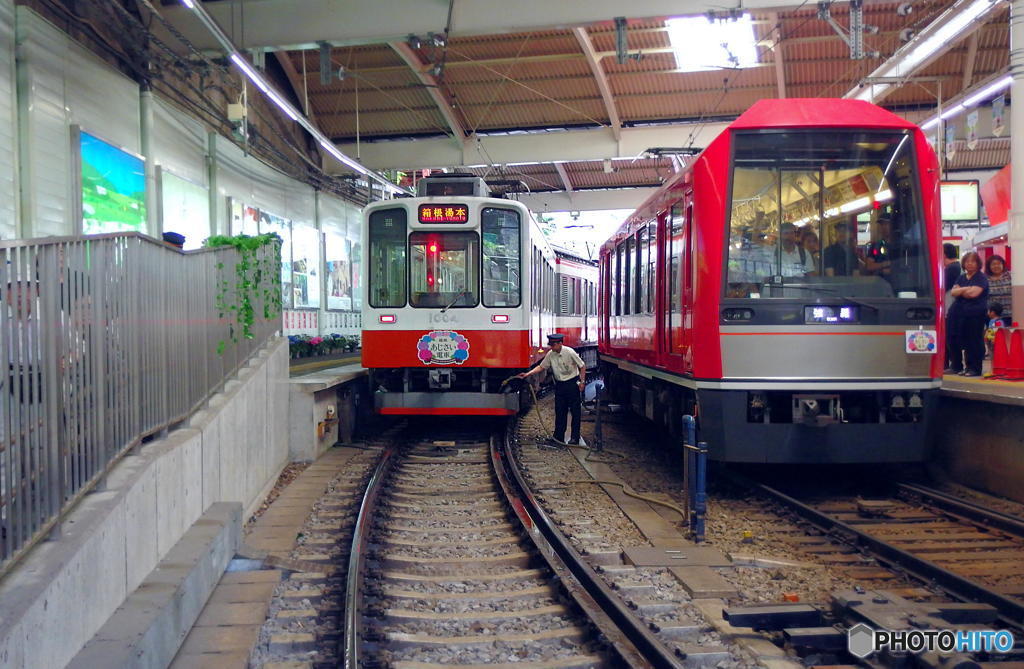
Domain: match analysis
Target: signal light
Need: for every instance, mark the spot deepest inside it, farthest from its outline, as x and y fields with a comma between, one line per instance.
x=433, y=248
x=499, y=318
x=388, y=318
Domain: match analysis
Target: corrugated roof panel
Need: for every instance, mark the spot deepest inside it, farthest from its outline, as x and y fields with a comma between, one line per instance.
x=538, y=114
x=990, y=153
x=384, y=123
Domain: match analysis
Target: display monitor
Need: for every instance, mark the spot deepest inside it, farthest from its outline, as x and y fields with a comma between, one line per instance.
x=959, y=200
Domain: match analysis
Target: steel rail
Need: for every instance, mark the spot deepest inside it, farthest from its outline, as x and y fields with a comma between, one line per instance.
x=918, y=567
x=629, y=631
x=969, y=510
x=356, y=558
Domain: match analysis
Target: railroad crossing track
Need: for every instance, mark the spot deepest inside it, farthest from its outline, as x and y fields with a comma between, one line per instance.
x=449, y=566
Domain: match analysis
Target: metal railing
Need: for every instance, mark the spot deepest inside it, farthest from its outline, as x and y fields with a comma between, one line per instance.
x=104, y=341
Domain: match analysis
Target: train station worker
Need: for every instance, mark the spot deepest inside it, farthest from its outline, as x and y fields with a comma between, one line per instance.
x=570, y=373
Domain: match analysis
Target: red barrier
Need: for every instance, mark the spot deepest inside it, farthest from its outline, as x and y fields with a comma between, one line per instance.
x=1001, y=353
x=1015, y=368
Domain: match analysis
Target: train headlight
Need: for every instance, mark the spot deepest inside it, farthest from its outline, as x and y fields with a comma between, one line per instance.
x=499, y=318
x=737, y=314
x=388, y=318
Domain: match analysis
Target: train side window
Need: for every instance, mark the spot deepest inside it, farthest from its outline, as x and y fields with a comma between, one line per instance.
x=640, y=286
x=614, y=282
x=652, y=257
x=501, y=266
x=387, y=230
x=627, y=276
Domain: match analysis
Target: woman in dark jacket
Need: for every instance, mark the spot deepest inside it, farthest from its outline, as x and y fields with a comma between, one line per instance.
x=965, y=325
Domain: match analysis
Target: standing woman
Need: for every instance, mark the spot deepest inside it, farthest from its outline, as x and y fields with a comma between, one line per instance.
x=999, y=285
x=965, y=325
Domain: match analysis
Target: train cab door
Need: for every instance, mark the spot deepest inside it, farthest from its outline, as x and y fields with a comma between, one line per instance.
x=678, y=298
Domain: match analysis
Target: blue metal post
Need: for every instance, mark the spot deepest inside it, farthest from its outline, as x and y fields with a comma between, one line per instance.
x=700, y=495
x=695, y=474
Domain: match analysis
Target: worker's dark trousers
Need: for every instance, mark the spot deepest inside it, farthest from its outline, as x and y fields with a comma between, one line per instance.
x=567, y=398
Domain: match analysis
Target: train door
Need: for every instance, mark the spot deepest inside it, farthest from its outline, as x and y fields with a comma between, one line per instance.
x=679, y=286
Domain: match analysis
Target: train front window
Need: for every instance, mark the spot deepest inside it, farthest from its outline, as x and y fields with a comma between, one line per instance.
x=501, y=268
x=826, y=214
x=443, y=269
x=387, y=258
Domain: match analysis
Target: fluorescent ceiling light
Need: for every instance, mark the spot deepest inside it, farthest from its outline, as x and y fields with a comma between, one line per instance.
x=974, y=99
x=989, y=90
x=701, y=44
x=189, y=4
x=264, y=86
x=947, y=32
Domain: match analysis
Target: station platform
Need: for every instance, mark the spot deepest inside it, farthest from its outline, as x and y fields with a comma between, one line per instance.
x=984, y=388
x=228, y=628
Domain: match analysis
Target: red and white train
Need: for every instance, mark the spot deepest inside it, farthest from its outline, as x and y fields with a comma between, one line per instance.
x=460, y=292
x=784, y=288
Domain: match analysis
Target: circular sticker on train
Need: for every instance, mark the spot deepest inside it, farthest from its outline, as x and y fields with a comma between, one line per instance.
x=921, y=341
x=442, y=347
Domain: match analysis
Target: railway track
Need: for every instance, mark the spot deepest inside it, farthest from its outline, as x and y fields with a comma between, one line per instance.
x=452, y=563
x=970, y=552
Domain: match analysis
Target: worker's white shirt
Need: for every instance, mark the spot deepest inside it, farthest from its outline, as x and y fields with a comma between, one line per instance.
x=565, y=364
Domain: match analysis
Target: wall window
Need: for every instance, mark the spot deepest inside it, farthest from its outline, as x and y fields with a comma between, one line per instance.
x=388, y=232
x=501, y=266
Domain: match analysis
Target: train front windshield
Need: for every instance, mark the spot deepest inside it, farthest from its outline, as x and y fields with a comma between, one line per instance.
x=826, y=214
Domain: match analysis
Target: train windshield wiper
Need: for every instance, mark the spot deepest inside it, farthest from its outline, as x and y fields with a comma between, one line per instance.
x=452, y=303
x=824, y=289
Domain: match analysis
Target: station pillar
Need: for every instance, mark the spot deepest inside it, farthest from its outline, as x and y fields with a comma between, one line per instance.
x=1016, y=232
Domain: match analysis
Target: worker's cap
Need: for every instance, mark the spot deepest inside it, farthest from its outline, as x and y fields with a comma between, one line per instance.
x=555, y=338
x=174, y=238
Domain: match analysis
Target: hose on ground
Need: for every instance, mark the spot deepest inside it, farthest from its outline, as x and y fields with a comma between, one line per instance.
x=635, y=495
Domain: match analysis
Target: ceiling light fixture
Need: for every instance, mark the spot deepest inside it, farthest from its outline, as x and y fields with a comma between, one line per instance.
x=268, y=89
x=930, y=41
x=975, y=98
x=702, y=44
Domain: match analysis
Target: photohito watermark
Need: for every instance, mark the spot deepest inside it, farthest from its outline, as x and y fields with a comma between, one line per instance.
x=862, y=641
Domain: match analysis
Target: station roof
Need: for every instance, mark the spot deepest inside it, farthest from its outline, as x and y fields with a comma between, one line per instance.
x=535, y=91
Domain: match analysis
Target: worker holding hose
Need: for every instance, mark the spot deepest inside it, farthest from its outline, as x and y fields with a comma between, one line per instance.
x=570, y=373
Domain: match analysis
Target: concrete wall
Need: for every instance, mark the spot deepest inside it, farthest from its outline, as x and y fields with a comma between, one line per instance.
x=65, y=590
x=981, y=445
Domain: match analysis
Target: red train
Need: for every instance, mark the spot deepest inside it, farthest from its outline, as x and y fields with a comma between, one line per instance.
x=784, y=288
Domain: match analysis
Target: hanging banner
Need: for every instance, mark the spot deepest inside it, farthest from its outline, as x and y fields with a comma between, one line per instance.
x=972, y=130
x=998, y=107
x=950, y=141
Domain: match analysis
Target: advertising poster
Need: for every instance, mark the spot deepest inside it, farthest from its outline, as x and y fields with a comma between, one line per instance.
x=113, y=188
x=357, y=267
x=972, y=130
x=271, y=223
x=998, y=108
x=185, y=209
x=950, y=141
x=306, y=266
x=339, y=277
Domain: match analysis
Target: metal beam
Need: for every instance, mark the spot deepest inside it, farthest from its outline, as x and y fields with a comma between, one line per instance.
x=938, y=37
x=280, y=23
x=541, y=147
x=433, y=87
x=564, y=176
x=298, y=85
x=586, y=200
x=972, y=56
x=601, y=79
x=780, y=65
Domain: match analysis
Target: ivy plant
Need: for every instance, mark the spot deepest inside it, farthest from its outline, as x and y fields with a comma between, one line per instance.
x=257, y=279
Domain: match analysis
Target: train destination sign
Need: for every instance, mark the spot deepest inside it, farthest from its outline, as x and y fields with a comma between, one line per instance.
x=443, y=213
